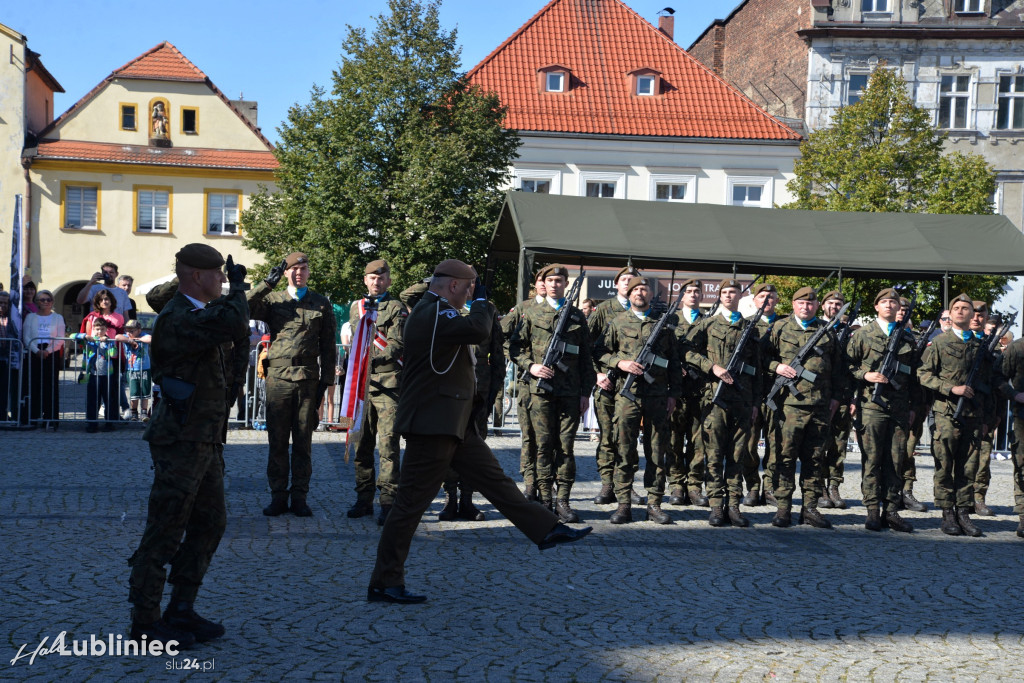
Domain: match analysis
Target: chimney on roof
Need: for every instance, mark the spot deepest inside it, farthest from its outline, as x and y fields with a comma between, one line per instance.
x=667, y=22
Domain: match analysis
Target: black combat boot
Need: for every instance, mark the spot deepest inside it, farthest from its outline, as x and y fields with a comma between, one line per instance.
x=750, y=500
x=278, y=506
x=635, y=498
x=736, y=517
x=810, y=515
x=697, y=498
x=299, y=506
x=622, y=515
x=896, y=523
x=963, y=518
x=162, y=632
x=1020, y=527
x=874, y=520
x=981, y=509
x=656, y=514
x=451, y=505
x=911, y=503
x=949, y=523
x=566, y=515
x=530, y=491
x=676, y=496
x=385, y=510
x=606, y=497
x=180, y=615
x=467, y=510
x=836, y=497
x=717, y=516
x=769, y=497
x=361, y=508
x=783, y=516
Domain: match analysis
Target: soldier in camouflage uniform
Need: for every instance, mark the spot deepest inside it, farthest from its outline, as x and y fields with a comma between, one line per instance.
x=763, y=423
x=725, y=431
x=686, y=456
x=981, y=325
x=555, y=414
x=1013, y=370
x=300, y=363
x=604, y=397
x=882, y=429
x=944, y=369
x=192, y=356
x=624, y=338
x=510, y=325
x=834, y=455
x=379, y=410
x=801, y=426
x=919, y=411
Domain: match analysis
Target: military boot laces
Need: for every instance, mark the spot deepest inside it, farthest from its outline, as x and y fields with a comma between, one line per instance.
x=811, y=516
x=963, y=518
x=161, y=632
x=783, y=517
x=657, y=515
x=736, y=517
x=717, y=517
x=676, y=497
x=181, y=616
x=451, y=506
x=606, y=496
x=897, y=523
x=836, y=497
x=622, y=515
x=949, y=524
x=874, y=520
x=566, y=514
x=467, y=510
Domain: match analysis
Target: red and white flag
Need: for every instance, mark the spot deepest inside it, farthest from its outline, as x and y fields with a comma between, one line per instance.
x=357, y=376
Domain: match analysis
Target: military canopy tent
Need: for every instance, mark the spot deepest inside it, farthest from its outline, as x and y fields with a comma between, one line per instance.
x=535, y=228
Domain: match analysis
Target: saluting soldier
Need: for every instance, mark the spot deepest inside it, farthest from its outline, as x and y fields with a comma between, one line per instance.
x=510, y=325
x=801, y=427
x=944, y=369
x=763, y=423
x=725, y=431
x=604, y=397
x=834, y=457
x=192, y=349
x=300, y=361
x=686, y=456
x=555, y=414
x=378, y=429
x=656, y=388
x=1013, y=370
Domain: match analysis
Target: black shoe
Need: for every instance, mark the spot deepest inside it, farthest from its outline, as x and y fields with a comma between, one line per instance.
x=635, y=498
x=697, y=498
x=913, y=504
x=300, y=509
x=624, y=514
x=162, y=632
x=949, y=523
x=606, y=496
x=563, y=534
x=717, y=516
x=467, y=510
x=451, y=508
x=836, y=497
x=393, y=594
x=783, y=517
x=897, y=523
x=736, y=517
x=383, y=516
x=750, y=500
x=874, y=520
x=530, y=491
x=981, y=509
x=360, y=508
x=812, y=517
x=657, y=515
x=676, y=497
x=566, y=514
x=278, y=506
x=181, y=616
x=963, y=518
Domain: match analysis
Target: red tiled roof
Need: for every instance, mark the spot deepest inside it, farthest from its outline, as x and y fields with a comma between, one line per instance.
x=163, y=63
x=601, y=42
x=234, y=159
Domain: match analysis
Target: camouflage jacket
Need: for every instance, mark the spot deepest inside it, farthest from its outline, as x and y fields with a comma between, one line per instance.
x=195, y=345
x=764, y=330
x=947, y=363
x=784, y=341
x=528, y=346
x=712, y=342
x=1013, y=369
x=510, y=325
x=624, y=337
x=603, y=313
x=693, y=378
x=490, y=357
x=385, y=364
x=864, y=354
x=301, y=334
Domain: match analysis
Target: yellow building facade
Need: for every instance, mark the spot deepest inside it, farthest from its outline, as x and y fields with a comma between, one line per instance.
x=152, y=158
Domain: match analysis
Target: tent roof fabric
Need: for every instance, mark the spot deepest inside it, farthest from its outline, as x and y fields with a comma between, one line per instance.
x=605, y=232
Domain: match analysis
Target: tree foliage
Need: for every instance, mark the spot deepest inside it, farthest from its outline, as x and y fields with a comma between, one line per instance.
x=882, y=154
x=403, y=160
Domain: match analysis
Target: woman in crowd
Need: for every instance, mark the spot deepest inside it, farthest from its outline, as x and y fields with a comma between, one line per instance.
x=104, y=306
x=43, y=337
x=28, y=299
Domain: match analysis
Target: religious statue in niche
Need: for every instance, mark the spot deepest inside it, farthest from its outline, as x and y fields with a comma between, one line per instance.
x=159, y=121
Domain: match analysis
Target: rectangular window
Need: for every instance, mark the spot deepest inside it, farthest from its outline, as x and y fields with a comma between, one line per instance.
x=1010, y=115
x=128, y=117
x=670, y=192
x=747, y=195
x=154, y=210
x=953, y=98
x=555, y=81
x=222, y=213
x=874, y=5
x=189, y=120
x=81, y=206
x=855, y=88
x=645, y=85
x=600, y=189
x=969, y=6
x=542, y=186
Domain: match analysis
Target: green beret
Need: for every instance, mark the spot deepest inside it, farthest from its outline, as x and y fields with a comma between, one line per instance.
x=729, y=282
x=805, y=294
x=962, y=298
x=887, y=293
x=980, y=306
x=201, y=256
x=628, y=270
x=295, y=258
x=692, y=282
x=554, y=270
x=835, y=294
x=763, y=287
x=636, y=282
x=378, y=267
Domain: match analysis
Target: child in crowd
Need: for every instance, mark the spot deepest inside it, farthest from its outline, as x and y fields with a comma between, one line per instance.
x=140, y=384
x=101, y=372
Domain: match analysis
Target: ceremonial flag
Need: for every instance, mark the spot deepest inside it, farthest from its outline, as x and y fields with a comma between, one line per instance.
x=357, y=375
x=17, y=274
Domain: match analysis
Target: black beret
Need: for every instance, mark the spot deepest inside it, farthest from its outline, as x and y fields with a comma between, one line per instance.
x=201, y=256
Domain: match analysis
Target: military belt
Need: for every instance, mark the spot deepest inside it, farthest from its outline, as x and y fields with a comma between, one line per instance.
x=296, y=361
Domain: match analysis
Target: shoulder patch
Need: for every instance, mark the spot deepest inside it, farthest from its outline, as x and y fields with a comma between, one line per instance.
x=449, y=313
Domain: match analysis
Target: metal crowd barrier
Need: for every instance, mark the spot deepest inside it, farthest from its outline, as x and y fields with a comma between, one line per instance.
x=11, y=379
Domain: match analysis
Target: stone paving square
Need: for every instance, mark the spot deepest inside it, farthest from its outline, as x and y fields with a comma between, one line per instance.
x=631, y=603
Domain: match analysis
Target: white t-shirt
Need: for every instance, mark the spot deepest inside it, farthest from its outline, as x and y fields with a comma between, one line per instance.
x=124, y=304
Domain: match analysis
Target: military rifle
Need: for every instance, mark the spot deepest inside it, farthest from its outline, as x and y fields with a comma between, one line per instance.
x=735, y=367
x=988, y=348
x=817, y=290
x=647, y=357
x=557, y=347
x=802, y=356
x=843, y=337
x=922, y=340
x=891, y=365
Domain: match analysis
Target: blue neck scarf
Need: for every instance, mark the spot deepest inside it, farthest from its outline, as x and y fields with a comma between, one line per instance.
x=298, y=292
x=558, y=303
x=735, y=317
x=771, y=318
x=693, y=314
x=805, y=323
x=892, y=326
x=979, y=335
x=966, y=336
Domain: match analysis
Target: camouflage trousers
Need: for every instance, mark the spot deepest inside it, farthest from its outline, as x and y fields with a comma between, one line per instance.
x=913, y=438
x=184, y=525
x=291, y=412
x=607, y=448
x=800, y=435
x=378, y=431
x=883, y=448
x=1017, y=448
x=956, y=462
x=982, y=452
x=833, y=463
x=750, y=461
x=555, y=419
x=725, y=434
x=652, y=411
x=528, y=448
x=686, y=453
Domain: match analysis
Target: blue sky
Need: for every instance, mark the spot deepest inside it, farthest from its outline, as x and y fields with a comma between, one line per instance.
x=272, y=51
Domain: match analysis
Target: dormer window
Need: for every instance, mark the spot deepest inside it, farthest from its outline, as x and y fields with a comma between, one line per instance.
x=555, y=82
x=554, y=78
x=969, y=6
x=645, y=82
x=645, y=85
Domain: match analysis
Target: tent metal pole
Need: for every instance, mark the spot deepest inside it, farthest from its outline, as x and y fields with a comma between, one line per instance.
x=945, y=289
x=840, y=287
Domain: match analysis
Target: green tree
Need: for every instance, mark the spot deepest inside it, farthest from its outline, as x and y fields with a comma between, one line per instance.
x=403, y=160
x=882, y=154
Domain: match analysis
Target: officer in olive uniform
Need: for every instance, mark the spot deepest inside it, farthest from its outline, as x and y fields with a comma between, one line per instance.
x=555, y=414
x=656, y=389
x=757, y=491
x=686, y=456
x=834, y=457
x=192, y=361
x=801, y=425
x=604, y=396
x=1013, y=370
x=944, y=369
x=301, y=361
x=725, y=431
x=378, y=428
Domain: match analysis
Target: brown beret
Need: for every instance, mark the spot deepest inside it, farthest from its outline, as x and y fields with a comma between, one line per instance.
x=805, y=294
x=295, y=258
x=378, y=267
x=692, y=282
x=729, y=282
x=980, y=306
x=962, y=298
x=201, y=256
x=904, y=302
x=455, y=268
x=636, y=282
x=835, y=294
x=630, y=270
x=554, y=270
x=763, y=287
x=887, y=293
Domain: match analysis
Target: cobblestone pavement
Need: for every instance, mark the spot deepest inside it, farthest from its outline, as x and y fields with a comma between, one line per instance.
x=631, y=603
